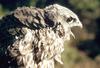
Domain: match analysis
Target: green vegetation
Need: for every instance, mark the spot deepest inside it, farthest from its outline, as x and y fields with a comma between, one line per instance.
x=85, y=4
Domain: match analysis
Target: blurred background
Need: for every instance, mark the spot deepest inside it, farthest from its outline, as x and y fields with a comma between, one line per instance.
x=84, y=50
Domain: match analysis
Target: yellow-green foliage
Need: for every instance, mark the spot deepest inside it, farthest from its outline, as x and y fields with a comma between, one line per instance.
x=70, y=56
x=85, y=4
x=1, y=11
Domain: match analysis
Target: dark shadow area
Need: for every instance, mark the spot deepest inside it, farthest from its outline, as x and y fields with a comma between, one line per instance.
x=8, y=31
x=97, y=39
x=92, y=47
x=13, y=4
x=44, y=3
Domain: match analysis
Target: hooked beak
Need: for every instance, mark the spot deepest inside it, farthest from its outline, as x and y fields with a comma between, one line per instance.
x=80, y=25
x=76, y=24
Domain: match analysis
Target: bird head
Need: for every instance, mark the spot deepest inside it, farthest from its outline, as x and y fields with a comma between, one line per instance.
x=66, y=14
x=63, y=15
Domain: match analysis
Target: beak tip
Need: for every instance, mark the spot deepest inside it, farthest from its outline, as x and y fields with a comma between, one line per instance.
x=80, y=25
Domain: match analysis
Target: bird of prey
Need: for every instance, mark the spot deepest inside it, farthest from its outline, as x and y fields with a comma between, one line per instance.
x=31, y=37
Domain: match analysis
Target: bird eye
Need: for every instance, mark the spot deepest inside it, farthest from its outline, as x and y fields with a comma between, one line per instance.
x=69, y=19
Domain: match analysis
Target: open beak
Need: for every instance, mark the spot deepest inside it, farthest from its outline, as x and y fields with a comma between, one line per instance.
x=76, y=24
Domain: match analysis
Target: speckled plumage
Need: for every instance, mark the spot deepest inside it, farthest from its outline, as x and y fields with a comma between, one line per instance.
x=33, y=37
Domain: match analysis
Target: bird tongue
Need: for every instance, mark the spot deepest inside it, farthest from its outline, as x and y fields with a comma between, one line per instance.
x=71, y=33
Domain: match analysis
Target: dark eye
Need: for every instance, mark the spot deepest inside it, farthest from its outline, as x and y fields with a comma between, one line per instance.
x=69, y=19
